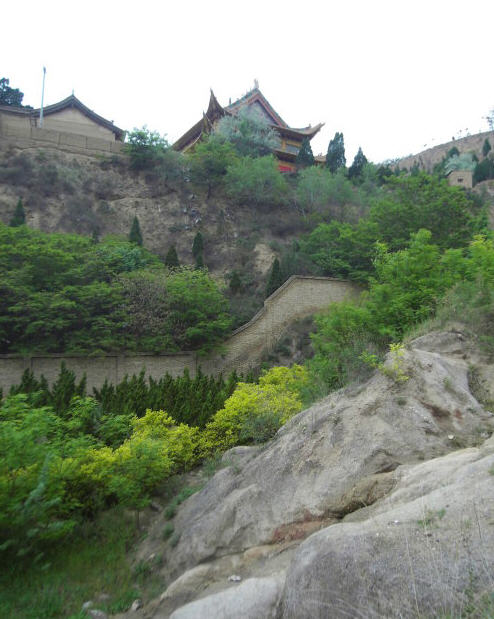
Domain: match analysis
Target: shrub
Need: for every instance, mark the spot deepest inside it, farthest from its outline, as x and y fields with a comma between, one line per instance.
x=256, y=181
x=246, y=412
x=145, y=148
x=209, y=162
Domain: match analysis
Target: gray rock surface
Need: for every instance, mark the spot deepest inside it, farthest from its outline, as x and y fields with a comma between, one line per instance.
x=335, y=456
x=253, y=599
x=426, y=550
x=389, y=525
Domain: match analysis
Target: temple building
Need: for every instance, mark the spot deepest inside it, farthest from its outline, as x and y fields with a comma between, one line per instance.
x=67, y=116
x=290, y=139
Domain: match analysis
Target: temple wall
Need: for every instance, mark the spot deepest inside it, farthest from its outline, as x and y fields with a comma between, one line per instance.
x=21, y=136
x=71, y=120
x=298, y=297
x=69, y=135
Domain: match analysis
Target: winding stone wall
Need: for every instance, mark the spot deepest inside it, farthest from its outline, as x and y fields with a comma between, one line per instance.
x=299, y=296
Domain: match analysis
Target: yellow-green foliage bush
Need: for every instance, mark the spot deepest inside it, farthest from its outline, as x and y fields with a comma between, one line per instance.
x=182, y=441
x=273, y=401
x=54, y=471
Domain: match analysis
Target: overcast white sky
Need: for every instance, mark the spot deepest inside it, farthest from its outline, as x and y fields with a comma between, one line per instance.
x=393, y=76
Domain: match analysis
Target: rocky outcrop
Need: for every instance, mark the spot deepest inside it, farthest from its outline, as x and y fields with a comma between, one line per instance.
x=392, y=525
x=425, y=550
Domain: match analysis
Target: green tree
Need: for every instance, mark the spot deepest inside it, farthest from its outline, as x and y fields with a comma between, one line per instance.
x=452, y=152
x=199, y=316
x=484, y=170
x=486, y=147
x=318, y=189
x=198, y=250
x=235, y=283
x=209, y=162
x=249, y=133
x=305, y=157
x=275, y=278
x=341, y=249
x=335, y=157
x=135, y=234
x=182, y=309
x=145, y=148
x=256, y=181
x=19, y=217
x=8, y=95
x=355, y=170
x=425, y=201
x=171, y=258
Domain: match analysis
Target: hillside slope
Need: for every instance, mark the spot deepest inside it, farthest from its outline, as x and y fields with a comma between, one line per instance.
x=68, y=192
x=428, y=158
x=368, y=477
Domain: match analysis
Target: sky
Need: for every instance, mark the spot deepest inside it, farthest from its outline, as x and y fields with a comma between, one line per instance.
x=395, y=77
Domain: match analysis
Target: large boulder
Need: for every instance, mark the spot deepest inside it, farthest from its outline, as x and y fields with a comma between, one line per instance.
x=426, y=550
x=336, y=456
x=364, y=468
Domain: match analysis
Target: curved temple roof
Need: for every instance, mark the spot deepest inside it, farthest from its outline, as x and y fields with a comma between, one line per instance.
x=215, y=111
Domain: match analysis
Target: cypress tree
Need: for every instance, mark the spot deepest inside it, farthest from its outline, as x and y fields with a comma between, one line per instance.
x=135, y=235
x=486, y=147
x=452, y=152
x=235, y=283
x=275, y=278
x=198, y=249
x=335, y=157
x=19, y=217
x=357, y=166
x=305, y=157
x=171, y=259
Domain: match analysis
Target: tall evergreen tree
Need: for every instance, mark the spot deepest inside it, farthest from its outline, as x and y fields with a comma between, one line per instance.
x=235, y=283
x=305, y=157
x=171, y=259
x=335, y=157
x=198, y=250
x=357, y=166
x=135, y=235
x=486, y=147
x=19, y=217
x=275, y=278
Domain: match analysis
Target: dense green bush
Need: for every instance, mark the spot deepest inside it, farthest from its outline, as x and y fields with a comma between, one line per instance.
x=256, y=181
x=318, y=190
x=255, y=411
x=145, y=148
x=64, y=293
x=409, y=204
x=209, y=162
x=60, y=468
x=407, y=289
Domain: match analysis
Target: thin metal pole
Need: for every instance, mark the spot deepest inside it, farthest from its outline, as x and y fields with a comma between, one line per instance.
x=42, y=99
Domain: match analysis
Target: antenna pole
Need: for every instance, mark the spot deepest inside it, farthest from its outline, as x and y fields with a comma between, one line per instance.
x=42, y=98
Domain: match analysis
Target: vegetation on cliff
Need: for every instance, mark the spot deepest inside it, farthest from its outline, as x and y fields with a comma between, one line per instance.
x=421, y=248
x=65, y=293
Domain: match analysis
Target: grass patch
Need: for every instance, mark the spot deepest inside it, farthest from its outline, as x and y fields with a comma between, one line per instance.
x=93, y=563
